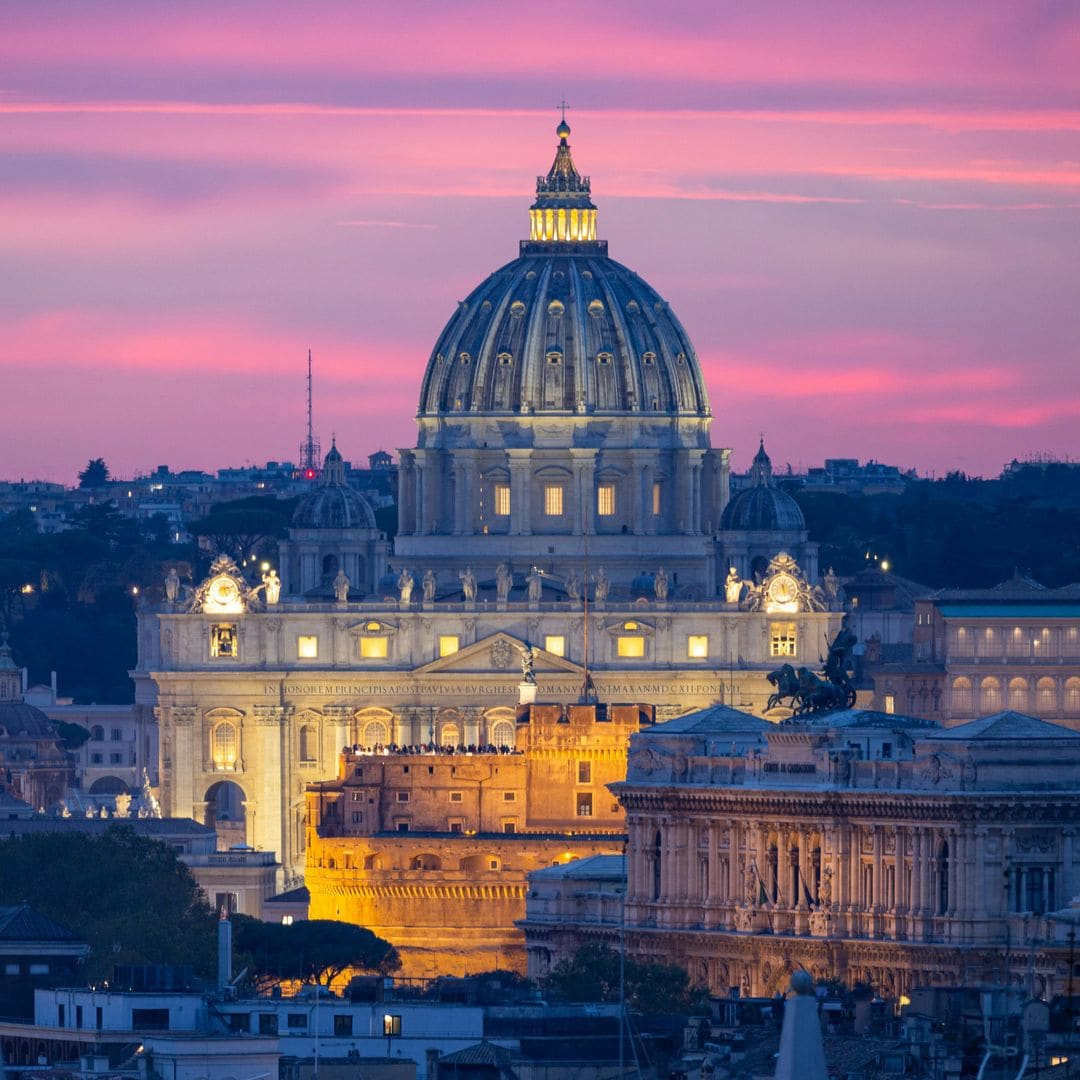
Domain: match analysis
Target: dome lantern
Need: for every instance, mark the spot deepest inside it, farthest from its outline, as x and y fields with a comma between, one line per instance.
x=563, y=213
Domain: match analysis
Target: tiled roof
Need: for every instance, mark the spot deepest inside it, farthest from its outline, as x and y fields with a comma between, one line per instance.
x=22, y=923
x=481, y=1053
x=1006, y=725
x=300, y=895
x=714, y=720
x=609, y=867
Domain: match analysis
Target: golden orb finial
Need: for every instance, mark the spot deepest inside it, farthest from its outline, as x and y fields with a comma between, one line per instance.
x=563, y=130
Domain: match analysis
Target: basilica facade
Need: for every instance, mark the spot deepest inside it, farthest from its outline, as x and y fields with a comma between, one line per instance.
x=563, y=503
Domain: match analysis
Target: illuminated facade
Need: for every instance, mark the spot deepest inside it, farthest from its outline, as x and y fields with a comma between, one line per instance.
x=563, y=497
x=978, y=651
x=873, y=848
x=432, y=850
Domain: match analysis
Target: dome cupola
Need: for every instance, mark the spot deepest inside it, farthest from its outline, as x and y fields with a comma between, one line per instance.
x=333, y=504
x=762, y=507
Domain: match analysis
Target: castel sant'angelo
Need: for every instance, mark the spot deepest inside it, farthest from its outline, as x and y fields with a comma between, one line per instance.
x=570, y=566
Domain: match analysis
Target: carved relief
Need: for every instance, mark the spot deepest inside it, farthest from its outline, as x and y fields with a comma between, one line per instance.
x=501, y=654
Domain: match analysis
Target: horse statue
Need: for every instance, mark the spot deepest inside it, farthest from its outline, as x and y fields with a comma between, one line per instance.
x=819, y=695
x=787, y=686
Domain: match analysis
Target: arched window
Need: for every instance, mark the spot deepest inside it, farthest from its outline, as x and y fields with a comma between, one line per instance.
x=449, y=735
x=1072, y=696
x=963, y=703
x=225, y=745
x=943, y=879
x=502, y=733
x=1046, y=697
x=375, y=734
x=309, y=743
x=1018, y=695
x=990, y=695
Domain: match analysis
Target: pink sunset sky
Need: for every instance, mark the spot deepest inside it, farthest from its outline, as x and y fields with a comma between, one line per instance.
x=866, y=214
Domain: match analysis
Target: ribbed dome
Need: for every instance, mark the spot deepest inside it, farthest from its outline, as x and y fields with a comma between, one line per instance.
x=333, y=504
x=19, y=720
x=563, y=328
x=763, y=507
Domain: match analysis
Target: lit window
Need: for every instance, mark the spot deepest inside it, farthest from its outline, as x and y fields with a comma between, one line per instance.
x=448, y=644
x=584, y=772
x=584, y=804
x=631, y=646
x=782, y=639
x=605, y=500
x=656, y=498
x=223, y=640
x=307, y=647
x=890, y=703
x=373, y=648
x=224, y=747
x=555, y=644
x=553, y=500
x=391, y=1025
x=697, y=646
x=502, y=500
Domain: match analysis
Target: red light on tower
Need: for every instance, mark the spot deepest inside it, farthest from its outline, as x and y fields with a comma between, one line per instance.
x=309, y=474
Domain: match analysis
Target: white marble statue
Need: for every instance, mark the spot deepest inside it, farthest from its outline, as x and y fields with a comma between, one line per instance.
x=172, y=585
x=405, y=585
x=733, y=586
x=603, y=585
x=429, y=586
x=468, y=583
x=503, y=580
x=573, y=586
x=660, y=584
x=536, y=585
x=341, y=587
x=273, y=586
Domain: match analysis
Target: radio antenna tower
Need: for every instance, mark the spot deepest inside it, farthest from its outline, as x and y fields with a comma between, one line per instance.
x=310, y=450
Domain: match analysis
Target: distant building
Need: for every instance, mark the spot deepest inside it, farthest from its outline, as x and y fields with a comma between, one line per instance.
x=977, y=651
x=35, y=952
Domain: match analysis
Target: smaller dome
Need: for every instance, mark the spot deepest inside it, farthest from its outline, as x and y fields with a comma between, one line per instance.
x=333, y=504
x=762, y=507
x=21, y=721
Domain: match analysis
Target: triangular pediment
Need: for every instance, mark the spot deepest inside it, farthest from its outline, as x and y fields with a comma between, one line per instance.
x=498, y=654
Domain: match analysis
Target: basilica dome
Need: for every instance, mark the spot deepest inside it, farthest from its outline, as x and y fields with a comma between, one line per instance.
x=563, y=328
x=333, y=504
x=762, y=507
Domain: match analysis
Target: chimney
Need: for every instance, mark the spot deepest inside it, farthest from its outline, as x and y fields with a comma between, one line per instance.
x=52, y=683
x=224, y=949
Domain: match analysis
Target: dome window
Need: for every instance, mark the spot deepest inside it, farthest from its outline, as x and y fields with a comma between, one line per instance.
x=556, y=308
x=681, y=358
x=604, y=358
x=439, y=358
x=465, y=358
x=596, y=308
x=587, y=275
x=649, y=359
x=554, y=357
x=517, y=309
x=530, y=275
x=633, y=307
x=505, y=359
x=486, y=305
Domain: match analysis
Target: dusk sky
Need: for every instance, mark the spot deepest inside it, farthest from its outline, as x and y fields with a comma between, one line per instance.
x=867, y=215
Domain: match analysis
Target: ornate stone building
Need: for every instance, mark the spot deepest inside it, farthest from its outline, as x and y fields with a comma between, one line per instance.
x=563, y=496
x=977, y=651
x=876, y=848
x=432, y=849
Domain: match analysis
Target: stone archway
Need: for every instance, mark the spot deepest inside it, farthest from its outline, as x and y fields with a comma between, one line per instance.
x=225, y=813
x=109, y=785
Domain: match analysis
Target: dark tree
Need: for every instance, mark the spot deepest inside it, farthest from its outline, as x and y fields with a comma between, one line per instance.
x=131, y=898
x=241, y=527
x=314, y=951
x=592, y=974
x=95, y=475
